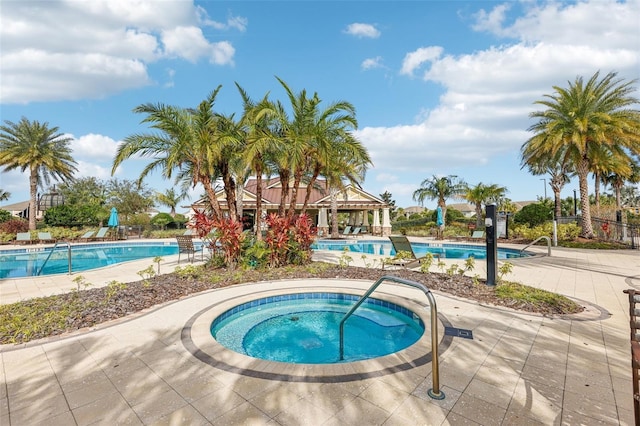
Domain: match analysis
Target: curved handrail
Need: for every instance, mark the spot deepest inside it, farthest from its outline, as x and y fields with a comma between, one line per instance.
x=544, y=237
x=434, y=393
x=51, y=252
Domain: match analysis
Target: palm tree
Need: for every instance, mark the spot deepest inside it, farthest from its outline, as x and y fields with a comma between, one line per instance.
x=171, y=198
x=617, y=179
x=33, y=146
x=559, y=172
x=581, y=121
x=483, y=194
x=184, y=140
x=4, y=195
x=440, y=189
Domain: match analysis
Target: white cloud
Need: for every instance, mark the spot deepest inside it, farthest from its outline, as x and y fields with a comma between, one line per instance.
x=87, y=169
x=415, y=59
x=94, y=146
x=491, y=21
x=362, y=30
x=372, y=63
x=68, y=50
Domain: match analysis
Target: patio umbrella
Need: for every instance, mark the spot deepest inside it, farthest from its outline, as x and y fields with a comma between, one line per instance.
x=113, y=218
x=439, y=219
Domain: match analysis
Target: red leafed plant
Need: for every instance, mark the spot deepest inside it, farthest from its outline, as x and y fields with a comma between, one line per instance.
x=289, y=241
x=230, y=237
x=277, y=238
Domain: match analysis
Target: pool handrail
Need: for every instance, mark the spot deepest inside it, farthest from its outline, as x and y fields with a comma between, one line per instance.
x=435, y=392
x=544, y=237
x=51, y=252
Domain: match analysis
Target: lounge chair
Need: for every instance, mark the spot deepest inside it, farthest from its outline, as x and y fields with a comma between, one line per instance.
x=101, y=234
x=355, y=232
x=86, y=236
x=347, y=231
x=45, y=237
x=477, y=236
x=185, y=245
x=24, y=238
x=402, y=244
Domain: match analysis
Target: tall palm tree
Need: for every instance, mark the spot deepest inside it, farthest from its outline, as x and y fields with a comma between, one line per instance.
x=581, y=121
x=184, y=141
x=33, y=146
x=620, y=177
x=559, y=173
x=4, y=195
x=441, y=189
x=171, y=198
x=483, y=194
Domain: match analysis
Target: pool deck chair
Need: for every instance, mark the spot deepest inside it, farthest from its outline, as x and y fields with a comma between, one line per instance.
x=101, y=234
x=634, y=317
x=45, y=237
x=24, y=238
x=477, y=236
x=185, y=245
x=355, y=232
x=86, y=236
x=347, y=231
x=401, y=243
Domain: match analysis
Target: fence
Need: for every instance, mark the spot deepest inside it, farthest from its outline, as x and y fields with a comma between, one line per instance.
x=611, y=230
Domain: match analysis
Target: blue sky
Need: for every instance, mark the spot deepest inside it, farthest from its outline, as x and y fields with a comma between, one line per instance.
x=440, y=87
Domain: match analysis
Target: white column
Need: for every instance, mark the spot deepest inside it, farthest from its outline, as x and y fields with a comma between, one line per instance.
x=376, y=230
x=386, y=223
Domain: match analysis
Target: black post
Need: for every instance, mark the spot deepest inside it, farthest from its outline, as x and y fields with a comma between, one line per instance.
x=575, y=204
x=492, y=243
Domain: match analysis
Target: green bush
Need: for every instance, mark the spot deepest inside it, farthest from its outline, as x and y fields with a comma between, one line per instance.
x=76, y=215
x=534, y=214
x=161, y=220
x=4, y=216
x=13, y=226
x=566, y=232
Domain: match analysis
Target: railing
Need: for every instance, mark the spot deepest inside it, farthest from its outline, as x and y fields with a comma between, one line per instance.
x=435, y=392
x=51, y=252
x=544, y=237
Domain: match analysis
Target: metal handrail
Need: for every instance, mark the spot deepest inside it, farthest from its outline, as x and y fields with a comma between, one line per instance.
x=434, y=393
x=544, y=237
x=51, y=252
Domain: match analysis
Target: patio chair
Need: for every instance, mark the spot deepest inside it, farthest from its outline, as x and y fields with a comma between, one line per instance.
x=477, y=236
x=355, y=232
x=24, y=238
x=86, y=236
x=402, y=244
x=101, y=234
x=185, y=245
x=45, y=237
x=634, y=314
x=347, y=231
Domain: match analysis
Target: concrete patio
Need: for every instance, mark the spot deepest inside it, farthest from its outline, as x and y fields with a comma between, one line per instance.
x=518, y=369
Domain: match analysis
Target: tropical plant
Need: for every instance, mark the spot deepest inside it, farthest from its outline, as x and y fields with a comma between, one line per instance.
x=441, y=189
x=534, y=214
x=580, y=123
x=45, y=153
x=483, y=194
x=171, y=199
x=4, y=195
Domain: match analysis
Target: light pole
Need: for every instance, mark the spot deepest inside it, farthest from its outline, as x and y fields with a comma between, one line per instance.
x=575, y=204
x=545, y=187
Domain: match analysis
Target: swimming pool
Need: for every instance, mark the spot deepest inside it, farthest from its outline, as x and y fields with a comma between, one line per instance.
x=28, y=261
x=444, y=250
x=303, y=328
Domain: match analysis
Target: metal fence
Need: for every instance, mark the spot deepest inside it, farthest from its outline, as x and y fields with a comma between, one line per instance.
x=611, y=230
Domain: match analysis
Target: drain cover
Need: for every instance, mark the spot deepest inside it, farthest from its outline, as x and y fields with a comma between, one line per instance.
x=458, y=332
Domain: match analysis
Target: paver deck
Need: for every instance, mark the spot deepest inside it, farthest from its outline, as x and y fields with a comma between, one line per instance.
x=519, y=369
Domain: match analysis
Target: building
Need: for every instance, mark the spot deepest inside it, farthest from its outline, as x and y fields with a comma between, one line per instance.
x=352, y=200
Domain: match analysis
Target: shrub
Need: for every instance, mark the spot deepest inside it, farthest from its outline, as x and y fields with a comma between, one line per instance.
x=534, y=214
x=4, y=216
x=161, y=220
x=13, y=226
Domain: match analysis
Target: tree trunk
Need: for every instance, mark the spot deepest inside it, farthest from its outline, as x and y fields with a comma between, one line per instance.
x=258, y=217
x=284, y=192
x=596, y=192
x=33, y=192
x=334, y=212
x=585, y=219
x=557, y=208
x=312, y=182
x=294, y=194
x=478, y=215
x=213, y=200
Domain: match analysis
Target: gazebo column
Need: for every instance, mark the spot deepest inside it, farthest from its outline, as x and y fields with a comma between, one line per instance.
x=386, y=223
x=323, y=225
x=365, y=220
x=352, y=219
x=376, y=229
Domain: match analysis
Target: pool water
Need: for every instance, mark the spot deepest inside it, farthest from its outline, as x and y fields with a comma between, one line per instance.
x=444, y=250
x=27, y=262
x=306, y=329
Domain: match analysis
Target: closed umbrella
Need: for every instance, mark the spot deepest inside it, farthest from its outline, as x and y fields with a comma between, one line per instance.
x=113, y=218
x=440, y=223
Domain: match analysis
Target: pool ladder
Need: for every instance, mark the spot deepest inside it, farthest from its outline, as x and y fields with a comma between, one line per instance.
x=435, y=392
x=64, y=243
